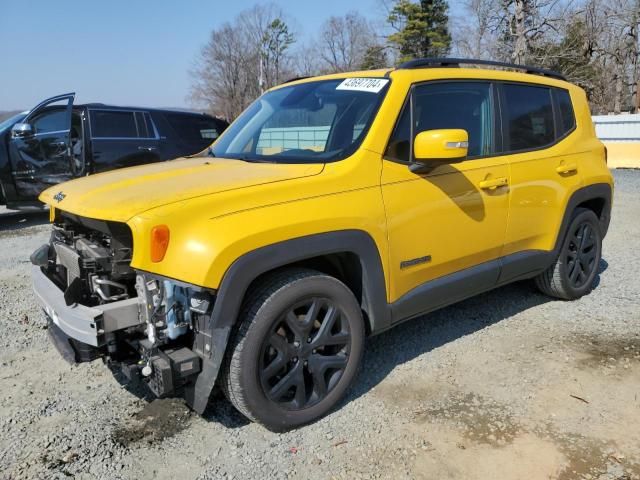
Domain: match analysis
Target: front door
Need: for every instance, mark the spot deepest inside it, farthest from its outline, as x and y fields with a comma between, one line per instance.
x=40, y=148
x=454, y=216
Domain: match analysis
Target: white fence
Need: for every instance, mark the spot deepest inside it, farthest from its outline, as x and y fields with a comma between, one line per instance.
x=618, y=128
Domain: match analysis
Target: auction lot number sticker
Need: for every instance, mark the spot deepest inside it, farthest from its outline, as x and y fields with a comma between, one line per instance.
x=372, y=85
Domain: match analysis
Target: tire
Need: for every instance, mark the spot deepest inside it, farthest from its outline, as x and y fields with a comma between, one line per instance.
x=572, y=274
x=296, y=351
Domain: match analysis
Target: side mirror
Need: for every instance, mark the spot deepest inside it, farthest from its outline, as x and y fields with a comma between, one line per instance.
x=21, y=130
x=446, y=146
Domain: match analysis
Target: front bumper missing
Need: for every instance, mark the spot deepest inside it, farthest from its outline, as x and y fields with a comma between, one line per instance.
x=85, y=324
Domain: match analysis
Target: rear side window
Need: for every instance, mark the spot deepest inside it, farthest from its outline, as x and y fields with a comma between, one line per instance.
x=113, y=124
x=529, y=117
x=567, y=118
x=194, y=128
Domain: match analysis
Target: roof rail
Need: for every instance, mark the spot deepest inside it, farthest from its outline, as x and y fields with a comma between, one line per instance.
x=455, y=62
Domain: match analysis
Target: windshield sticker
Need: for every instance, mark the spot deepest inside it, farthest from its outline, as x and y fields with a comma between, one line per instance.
x=372, y=85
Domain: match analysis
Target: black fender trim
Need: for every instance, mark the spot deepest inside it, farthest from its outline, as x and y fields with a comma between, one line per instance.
x=250, y=266
x=590, y=192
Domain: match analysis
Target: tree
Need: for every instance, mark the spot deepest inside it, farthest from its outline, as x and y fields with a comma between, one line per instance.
x=475, y=36
x=344, y=42
x=275, y=42
x=374, y=57
x=222, y=81
x=421, y=29
x=241, y=60
x=522, y=24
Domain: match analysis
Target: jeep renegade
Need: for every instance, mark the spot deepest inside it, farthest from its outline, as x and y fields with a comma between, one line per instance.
x=335, y=208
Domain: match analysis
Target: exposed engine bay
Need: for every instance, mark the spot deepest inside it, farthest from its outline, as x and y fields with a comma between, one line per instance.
x=151, y=328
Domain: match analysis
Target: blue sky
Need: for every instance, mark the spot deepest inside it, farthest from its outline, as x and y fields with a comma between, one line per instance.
x=124, y=52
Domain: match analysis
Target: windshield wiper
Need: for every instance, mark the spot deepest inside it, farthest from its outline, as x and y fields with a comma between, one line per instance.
x=248, y=159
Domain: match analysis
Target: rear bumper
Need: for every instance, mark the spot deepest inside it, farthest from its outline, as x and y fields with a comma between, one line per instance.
x=85, y=324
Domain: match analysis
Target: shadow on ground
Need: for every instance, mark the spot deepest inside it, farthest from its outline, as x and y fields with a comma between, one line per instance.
x=17, y=220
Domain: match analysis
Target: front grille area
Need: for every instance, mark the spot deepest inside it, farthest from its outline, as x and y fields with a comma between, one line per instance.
x=91, y=260
x=69, y=259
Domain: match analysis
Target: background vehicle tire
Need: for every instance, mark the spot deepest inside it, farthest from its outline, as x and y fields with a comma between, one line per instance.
x=571, y=275
x=297, y=349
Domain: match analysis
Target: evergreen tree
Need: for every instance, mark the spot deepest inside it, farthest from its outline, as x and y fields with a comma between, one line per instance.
x=374, y=57
x=421, y=28
x=275, y=41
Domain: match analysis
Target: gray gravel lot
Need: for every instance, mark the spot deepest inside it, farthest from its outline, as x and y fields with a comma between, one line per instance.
x=506, y=385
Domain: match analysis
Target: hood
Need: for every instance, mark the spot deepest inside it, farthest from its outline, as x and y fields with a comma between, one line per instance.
x=121, y=194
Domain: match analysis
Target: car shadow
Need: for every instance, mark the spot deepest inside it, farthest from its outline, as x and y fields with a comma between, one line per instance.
x=17, y=220
x=425, y=334
x=404, y=342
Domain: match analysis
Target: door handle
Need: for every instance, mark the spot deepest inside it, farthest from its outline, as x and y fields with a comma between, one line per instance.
x=148, y=149
x=567, y=168
x=494, y=183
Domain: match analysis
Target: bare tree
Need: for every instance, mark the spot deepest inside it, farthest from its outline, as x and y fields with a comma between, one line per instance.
x=221, y=81
x=344, y=41
x=474, y=33
x=266, y=30
x=241, y=60
x=520, y=25
x=306, y=60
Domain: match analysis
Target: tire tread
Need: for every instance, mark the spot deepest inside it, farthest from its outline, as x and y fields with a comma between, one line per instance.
x=550, y=282
x=257, y=296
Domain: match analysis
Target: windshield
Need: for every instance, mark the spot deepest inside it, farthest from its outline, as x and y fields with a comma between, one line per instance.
x=12, y=120
x=314, y=122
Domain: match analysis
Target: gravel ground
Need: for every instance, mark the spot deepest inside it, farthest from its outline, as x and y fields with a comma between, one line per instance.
x=507, y=385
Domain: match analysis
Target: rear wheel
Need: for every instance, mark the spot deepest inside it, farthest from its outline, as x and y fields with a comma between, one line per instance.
x=572, y=274
x=296, y=351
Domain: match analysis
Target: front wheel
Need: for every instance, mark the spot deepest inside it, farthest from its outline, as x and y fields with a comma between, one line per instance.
x=572, y=274
x=297, y=349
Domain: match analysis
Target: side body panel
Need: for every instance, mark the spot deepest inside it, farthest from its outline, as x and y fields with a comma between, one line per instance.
x=444, y=216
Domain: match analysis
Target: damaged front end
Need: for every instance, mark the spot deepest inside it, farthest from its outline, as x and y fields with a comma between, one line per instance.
x=152, y=328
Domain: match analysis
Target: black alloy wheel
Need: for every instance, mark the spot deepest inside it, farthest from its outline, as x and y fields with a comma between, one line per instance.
x=305, y=354
x=582, y=253
x=574, y=270
x=296, y=350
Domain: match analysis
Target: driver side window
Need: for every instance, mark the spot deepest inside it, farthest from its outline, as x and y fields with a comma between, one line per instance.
x=464, y=105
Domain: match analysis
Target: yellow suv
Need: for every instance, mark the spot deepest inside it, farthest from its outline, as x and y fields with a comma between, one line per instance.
x=333, y=208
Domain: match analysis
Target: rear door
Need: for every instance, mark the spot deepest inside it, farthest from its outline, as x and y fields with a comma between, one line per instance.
x=121, y=138
x=39, y=148
x=540, y=145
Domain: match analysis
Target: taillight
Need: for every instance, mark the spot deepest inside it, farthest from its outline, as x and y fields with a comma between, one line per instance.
x=159, y=242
